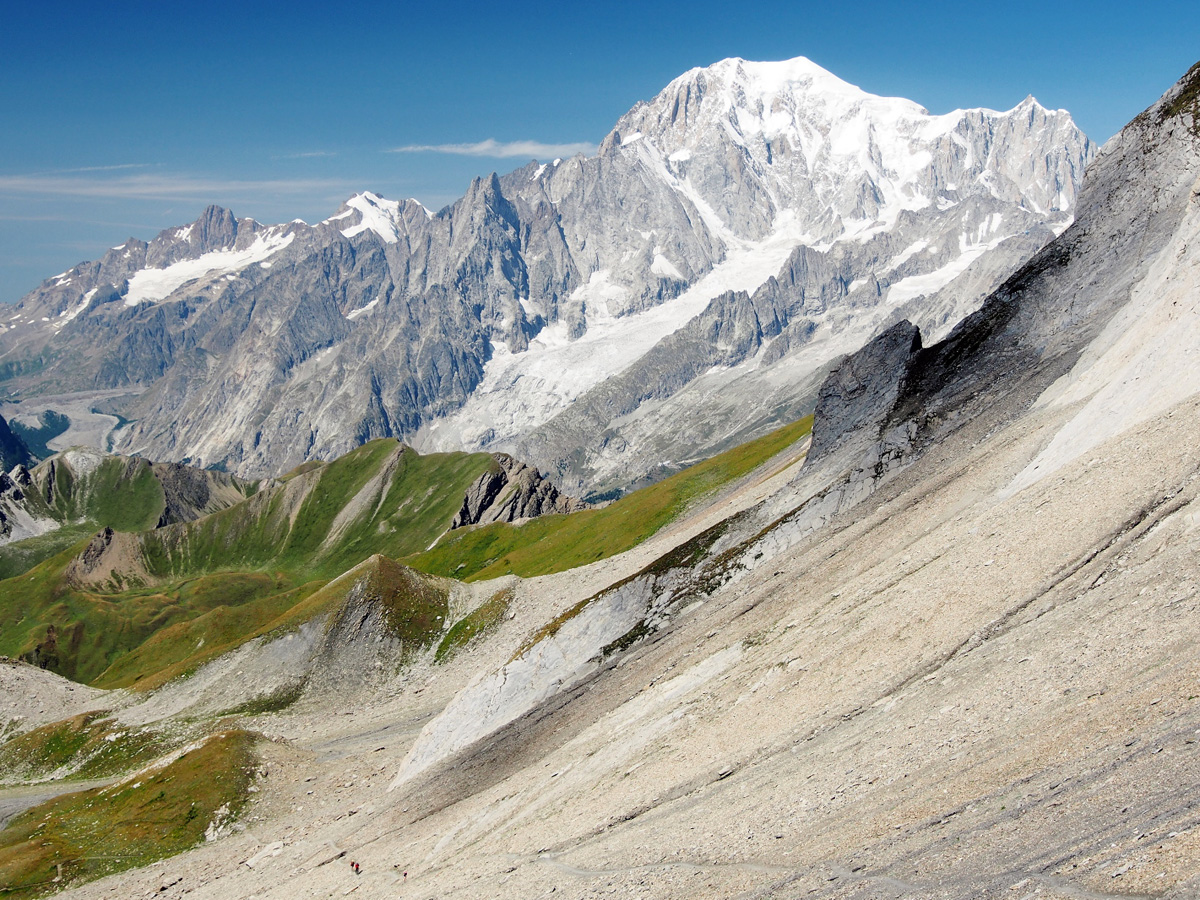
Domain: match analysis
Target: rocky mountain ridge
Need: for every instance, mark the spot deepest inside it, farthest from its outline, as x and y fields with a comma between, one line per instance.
x=511, y=492
x=78, y=485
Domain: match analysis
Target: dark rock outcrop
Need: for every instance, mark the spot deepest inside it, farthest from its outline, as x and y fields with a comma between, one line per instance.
x=861, y=391
x=191, y=493
x=12, y=451
x=510, y=491
x=112, y=560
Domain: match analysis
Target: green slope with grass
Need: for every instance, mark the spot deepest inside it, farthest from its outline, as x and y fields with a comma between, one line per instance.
x=83, y=836
x=115, y=491
x=201, y=588
x=556, y=543
x=194, y=590
x=80, y=633
x=89, y=745
x=382, y=497
x=84, y=491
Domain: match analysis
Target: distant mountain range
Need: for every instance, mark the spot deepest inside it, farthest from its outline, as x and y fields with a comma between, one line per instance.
x=607, y=319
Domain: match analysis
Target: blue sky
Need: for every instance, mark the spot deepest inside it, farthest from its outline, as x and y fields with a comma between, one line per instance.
x=122, y=120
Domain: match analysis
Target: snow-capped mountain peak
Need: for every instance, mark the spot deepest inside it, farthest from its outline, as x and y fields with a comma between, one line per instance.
x=792, y=136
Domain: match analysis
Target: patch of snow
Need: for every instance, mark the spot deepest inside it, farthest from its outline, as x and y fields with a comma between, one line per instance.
x=909, y=252
x=538, y=174
x=931, y=282
x=601, y=297
x=631, y=139
x=151, y=285
x=662, y=267
x=680, y=155
x=68, y=314
x=362, y=310
x=378, y=215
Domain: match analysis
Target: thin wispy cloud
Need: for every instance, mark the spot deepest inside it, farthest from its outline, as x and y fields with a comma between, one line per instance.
x=160, y=186
x=315, y=154
x=115, y=168
x=502, y=149
x=75, y=220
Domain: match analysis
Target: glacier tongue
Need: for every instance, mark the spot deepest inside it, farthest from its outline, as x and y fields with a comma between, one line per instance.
x=151, y=285
x=521, y=391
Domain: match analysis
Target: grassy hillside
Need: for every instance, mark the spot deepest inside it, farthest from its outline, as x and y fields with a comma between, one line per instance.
x=89, y=745
x=120, y=492
x=21, y=556
x=188, y=592
x=380, y=498
x=80, y=633
x=83, y=836
x=556, y=543
x=204, y=587
x=85, y=491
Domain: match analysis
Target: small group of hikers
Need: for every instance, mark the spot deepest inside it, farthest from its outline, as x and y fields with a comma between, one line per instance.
x=357, y=869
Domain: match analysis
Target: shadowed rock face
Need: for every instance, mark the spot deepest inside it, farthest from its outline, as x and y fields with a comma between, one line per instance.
x=259, y=347
x=863, y=388
x=190, y=493
x=512, y=491
x=12, y=451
